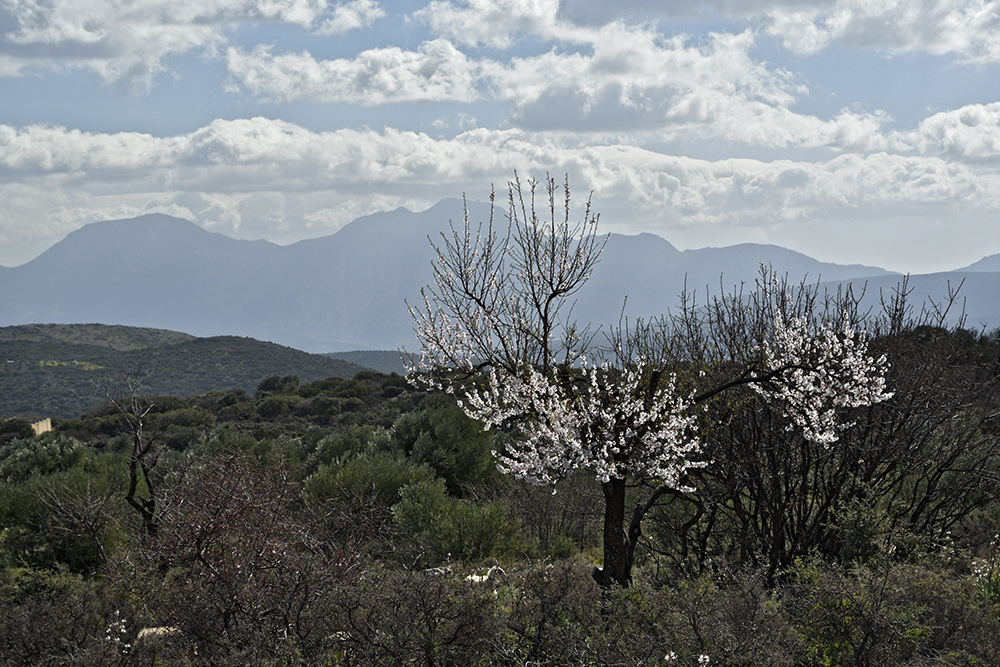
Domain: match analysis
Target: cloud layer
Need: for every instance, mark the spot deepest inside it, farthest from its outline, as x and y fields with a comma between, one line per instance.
x=437, y=71
x=132, y=40
x=257, y=177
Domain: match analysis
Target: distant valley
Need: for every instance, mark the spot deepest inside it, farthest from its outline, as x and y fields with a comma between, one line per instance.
x=348, y=291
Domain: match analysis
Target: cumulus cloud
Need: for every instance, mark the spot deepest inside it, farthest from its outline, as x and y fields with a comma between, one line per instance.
x=587, y=12
x=971, y=133
x=493, y=23
x=635, y=80
x=269, y=178
x=351, y=16
x=621, y=78
x=129, y=40
x=969, y=29
x=437, y=71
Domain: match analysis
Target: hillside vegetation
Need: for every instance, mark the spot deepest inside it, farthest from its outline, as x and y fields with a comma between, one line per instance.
x=113, y=336
x=65, y=370
x=298, y=522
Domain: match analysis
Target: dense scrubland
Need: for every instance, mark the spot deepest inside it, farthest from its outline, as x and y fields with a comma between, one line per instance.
x=354, y=521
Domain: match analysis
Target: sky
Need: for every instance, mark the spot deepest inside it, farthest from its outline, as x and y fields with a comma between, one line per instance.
x=855, y=131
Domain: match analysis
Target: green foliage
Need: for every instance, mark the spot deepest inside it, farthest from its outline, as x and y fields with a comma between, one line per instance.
x=13, y=429
x=986, y=572
x=355, y=483
x=53, y=617
x=862, y=532
x=440, y=528
x=275, y=407
x=22, y=517
x=67, y=515
x=338, y=447
x=888, y=615
x=39, y=455
x=455, y=446
x=377, y=476
x=277, y=385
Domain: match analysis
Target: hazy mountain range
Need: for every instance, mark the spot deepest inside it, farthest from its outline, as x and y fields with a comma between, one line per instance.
x=346, y=291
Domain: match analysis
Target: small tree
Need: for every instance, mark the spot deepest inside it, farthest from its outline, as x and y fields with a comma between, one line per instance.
x=134, y=409
x=496, y=328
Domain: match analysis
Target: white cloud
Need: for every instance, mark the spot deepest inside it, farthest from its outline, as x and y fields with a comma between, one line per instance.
x=56, y=150
x=971, y=133
x=351, y=16
x=493, y=23
x=969, y=29
x=437, y=71
x=130, y=39
x=588, y=12
x=620, y=78
x=634, y=80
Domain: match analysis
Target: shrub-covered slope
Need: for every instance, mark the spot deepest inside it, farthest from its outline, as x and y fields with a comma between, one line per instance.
x=64, y=370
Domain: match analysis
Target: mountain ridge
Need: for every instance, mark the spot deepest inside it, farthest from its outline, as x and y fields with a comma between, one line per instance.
x=347, y=290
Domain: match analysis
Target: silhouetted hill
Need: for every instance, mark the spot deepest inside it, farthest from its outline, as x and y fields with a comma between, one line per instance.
x=63, y=370
x=347, y=291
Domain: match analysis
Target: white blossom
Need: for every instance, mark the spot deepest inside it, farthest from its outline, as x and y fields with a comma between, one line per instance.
x=818, y=370
x=591, y=419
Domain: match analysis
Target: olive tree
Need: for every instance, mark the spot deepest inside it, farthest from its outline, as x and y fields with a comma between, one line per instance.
x=496, y=329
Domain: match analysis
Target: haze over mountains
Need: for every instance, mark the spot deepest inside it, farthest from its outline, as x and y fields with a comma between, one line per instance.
x=346, y=291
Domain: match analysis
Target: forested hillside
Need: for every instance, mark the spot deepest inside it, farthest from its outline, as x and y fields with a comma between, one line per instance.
x=64, y=370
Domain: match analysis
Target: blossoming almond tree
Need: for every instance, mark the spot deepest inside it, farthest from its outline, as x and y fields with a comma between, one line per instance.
x=496, y=329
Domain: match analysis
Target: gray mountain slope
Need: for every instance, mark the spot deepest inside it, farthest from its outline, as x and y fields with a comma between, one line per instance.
x=988, y=263
x=145, y=271
x=348, y=290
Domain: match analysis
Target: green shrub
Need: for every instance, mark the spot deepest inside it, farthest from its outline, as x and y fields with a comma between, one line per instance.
x=407, y=618
x=377, y=476
x=53, y=617
x=275, y=407
x=338, y=447
x=455, y=446
x=277, y=385
x=986, y=572
x=39, y=455
x=441, y=527
x=889, y=615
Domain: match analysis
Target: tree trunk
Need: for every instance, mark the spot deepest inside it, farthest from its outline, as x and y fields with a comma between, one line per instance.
x=618, y=549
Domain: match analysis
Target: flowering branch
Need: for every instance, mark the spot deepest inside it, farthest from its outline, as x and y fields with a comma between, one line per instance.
x=813, y=371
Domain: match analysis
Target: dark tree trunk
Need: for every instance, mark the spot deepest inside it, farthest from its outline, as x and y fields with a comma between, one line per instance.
x=618, y=548
x=146, y=507
x=619, y=545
